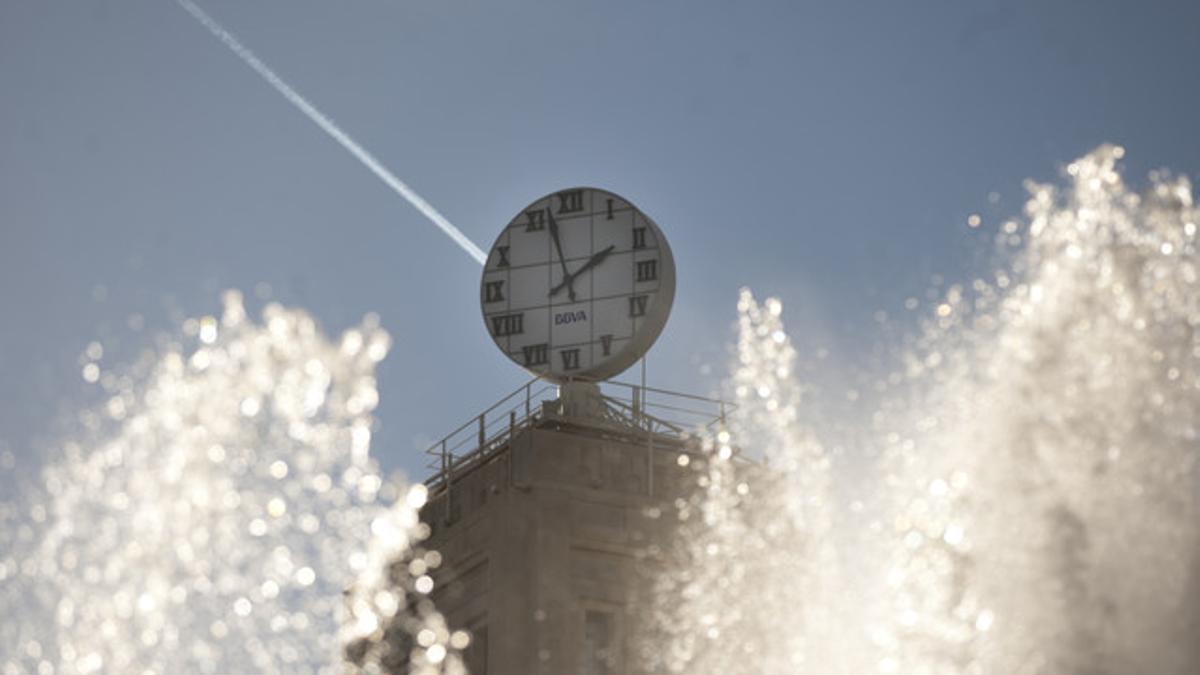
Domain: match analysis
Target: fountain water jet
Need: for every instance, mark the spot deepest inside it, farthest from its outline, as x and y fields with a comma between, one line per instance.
x=212, y=513
x=1037, y=445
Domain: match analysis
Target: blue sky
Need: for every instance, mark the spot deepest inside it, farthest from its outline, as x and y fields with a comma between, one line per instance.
x=826, y=153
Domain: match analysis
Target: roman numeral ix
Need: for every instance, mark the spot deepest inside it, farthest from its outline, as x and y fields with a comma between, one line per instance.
x=508, y=324
x=570, y=201
x=535, y=355
x=637, y=305
x=494, y=291
x=647, y=270
x=570, y=359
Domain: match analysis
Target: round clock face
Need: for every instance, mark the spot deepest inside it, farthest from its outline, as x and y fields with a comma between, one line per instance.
x=578, y=285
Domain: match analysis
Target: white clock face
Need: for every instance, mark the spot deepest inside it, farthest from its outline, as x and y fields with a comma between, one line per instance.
x=578, y=285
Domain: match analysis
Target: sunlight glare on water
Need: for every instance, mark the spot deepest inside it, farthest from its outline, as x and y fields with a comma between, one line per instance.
x=1035, y=489
x=208, y=517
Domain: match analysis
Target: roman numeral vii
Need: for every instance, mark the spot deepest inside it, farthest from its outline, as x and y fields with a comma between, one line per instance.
x=535, y=355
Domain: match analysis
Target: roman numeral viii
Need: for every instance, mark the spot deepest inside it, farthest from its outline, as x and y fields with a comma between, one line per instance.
x=493, y=291
x=570, y=359
x=637, y=305
x=508, y=324
x=647, y=270
x=535, y=355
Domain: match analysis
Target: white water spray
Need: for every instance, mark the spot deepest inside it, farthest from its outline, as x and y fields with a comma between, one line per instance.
x=1033, y=509
x=221, y=513
x=360, y=153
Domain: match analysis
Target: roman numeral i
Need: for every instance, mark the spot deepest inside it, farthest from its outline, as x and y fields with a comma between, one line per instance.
x=508, y=324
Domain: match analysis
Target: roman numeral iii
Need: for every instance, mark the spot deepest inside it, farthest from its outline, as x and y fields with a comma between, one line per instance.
x=637, y=305
x=494, y=291
x=639, y=237
x=647, y=270
x=508, y=324
x=570, y=201
x=535, y=355
x=570, y=359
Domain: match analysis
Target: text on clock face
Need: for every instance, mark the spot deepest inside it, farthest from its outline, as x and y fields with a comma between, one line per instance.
x=569, y=317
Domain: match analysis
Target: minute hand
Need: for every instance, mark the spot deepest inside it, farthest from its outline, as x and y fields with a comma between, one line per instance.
x=592, y=262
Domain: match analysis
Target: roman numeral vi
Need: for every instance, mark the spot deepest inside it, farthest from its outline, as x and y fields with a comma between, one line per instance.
x=570, y=359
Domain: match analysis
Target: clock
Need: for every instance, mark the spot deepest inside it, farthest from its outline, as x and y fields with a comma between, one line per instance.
x=578, y=285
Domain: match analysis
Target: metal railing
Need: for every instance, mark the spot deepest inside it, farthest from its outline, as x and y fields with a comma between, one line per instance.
x=630, y=407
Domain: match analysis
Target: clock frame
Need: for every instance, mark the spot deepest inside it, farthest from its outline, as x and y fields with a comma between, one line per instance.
x=578, y=285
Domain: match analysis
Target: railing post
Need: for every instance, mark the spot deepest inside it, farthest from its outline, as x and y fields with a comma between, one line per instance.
x=482, y=432
x=512, y=424
x=528, y=392
x=447, y=468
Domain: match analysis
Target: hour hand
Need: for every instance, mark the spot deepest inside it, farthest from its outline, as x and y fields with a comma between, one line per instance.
x=592, y=262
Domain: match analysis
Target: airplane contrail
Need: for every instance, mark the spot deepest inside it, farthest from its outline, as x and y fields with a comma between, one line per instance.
x=334, y=131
